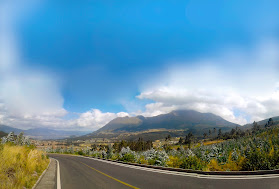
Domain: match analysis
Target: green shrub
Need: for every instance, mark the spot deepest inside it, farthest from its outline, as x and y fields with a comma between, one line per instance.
x=192, y=162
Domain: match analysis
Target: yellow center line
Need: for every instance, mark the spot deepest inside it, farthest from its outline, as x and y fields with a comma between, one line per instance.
x=111, y=177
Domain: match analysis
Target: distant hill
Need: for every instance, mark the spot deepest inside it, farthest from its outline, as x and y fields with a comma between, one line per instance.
x=8, y=129
x=43, y=133
x=261, y=123
x=180, y=120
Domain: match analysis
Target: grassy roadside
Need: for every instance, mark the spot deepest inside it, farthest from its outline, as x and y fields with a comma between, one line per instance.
x=20, y=166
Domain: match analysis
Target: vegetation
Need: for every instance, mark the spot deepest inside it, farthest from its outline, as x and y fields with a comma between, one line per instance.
x=237, y=150
x=139, y=145
x=20, y=163
x=2, y=134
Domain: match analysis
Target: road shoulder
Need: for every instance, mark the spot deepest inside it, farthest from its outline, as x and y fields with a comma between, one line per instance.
x=48, y=180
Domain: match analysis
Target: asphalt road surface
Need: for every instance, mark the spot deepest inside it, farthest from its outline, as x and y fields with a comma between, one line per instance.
x=86, y=173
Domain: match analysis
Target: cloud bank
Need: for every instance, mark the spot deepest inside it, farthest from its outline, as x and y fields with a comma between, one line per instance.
x=240, y=86
x=29, y=97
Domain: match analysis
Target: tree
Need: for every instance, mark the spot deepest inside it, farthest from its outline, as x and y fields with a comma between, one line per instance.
x=139, y=145
x=20, y=139
x=168, y=138
x=233, y=132
x=93, y=147
x=219, y=133
x=180, y=140
x=11, y=137
x=270, y=122
x=255, y=127
x=214, y=130
x=204, y=135
x=167, y=147
x=109, y=152
x=209, y=132
x=188, y=139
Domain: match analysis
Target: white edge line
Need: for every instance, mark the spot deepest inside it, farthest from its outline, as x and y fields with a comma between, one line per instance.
x=195, y=175
x=58, y=175
x=40, y=178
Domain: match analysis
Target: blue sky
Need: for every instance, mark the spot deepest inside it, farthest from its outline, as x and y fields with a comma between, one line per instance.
x=134, y=57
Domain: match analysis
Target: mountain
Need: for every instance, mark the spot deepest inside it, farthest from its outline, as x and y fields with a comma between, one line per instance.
x=261, y=123
x=8, y=129
x=43, y=133
x=180, y=119
x=175, y=123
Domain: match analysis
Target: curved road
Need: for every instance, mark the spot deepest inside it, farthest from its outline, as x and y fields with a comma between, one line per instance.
x=84, y=173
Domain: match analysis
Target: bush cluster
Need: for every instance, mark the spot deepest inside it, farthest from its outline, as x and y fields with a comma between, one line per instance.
x=259, y=151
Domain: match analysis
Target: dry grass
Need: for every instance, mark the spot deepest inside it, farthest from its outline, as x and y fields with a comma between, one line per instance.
x=20, y=166
x=212, y=142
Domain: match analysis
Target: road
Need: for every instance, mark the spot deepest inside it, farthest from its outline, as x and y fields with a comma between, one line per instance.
x=86, y=173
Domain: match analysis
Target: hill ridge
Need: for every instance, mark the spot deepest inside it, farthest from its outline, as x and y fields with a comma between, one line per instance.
x=179, y=120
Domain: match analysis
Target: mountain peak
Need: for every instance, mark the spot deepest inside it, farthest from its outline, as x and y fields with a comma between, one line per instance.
x=175, y=120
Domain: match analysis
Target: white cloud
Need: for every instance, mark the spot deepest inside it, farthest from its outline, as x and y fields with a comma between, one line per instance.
x=95, y=119
x=238, y=86
x=27, y=96
x=31, y=98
